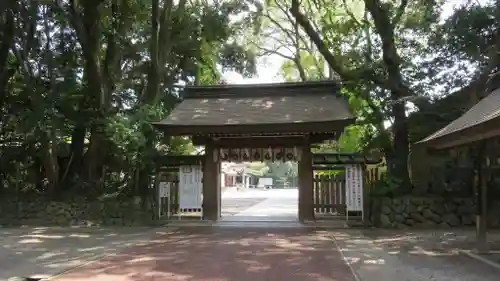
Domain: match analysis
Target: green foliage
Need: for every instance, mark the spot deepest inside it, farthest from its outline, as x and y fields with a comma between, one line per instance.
x=257, y=168
x=371, y=46
x=282, y=172
x=386, y=187
x=352, y=139
x=313, y=66
x=461, y=44
x=76, y=110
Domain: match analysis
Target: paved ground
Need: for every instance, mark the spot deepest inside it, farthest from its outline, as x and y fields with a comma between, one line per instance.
x=378, y=255
x=276, y=254
x=215, y=253
x=224, y=254
x=235, y=200
x=232, y=206
x=261, y=205
x=46, y=251
x=251, y=252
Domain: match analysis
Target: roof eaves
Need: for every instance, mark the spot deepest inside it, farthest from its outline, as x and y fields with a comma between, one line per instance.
x=446, y=131
x=259, y=90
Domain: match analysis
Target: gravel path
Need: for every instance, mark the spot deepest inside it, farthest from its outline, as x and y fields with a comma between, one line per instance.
x=379, y=256
x=224, y=254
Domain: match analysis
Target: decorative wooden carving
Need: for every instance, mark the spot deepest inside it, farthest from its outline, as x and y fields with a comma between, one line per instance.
x=245, y=155
x=278, y=154
x=289, y=154
x=256, y=154
x=224, y=154
x=260, y=154
x=268, y=155
x=235, y=155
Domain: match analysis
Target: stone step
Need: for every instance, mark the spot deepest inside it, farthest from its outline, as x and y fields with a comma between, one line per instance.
x=266, y=224
x=337, y=217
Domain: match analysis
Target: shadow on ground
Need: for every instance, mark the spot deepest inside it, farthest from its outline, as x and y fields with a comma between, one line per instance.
x=377, y=254
x=224, y=254
x=44, y=251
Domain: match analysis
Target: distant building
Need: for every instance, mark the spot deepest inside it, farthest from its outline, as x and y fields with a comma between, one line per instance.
x=234, y=174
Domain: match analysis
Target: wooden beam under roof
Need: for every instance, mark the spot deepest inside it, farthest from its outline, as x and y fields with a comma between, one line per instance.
x=279, y=141
x=344, y=159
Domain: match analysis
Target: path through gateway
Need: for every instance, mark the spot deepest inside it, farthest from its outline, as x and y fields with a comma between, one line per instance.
x=255, y=205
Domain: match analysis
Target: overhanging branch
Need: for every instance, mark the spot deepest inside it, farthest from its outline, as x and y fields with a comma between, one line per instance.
x=335, y=64
x=400, y=12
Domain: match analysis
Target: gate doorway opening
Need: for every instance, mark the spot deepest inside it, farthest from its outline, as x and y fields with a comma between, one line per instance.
x=259, y=191
x=336, y=192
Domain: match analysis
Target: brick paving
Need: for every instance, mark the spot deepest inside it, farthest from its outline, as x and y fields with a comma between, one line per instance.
x=223, y=254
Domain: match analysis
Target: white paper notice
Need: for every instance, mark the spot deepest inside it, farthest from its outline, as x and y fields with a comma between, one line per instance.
x=354, y=187
x=190, y=187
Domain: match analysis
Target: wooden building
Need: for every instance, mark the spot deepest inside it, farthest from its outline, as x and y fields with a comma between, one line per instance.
x=257, y=118
x=478, y=132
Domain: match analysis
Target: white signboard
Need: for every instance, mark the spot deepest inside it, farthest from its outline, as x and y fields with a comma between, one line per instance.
x=354, y=187
x=164, y=189
x=263, y=182
x=190, y=187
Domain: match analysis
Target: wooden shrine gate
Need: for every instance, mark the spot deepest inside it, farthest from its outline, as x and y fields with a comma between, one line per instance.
x=265, y=119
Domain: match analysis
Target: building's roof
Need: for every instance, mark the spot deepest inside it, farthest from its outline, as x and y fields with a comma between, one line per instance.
x=217, y=109
x=479, y=122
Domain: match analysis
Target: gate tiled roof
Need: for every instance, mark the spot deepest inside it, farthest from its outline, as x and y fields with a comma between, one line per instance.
x=268, y=104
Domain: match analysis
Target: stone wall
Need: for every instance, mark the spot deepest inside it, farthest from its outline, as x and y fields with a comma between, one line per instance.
x=406, y=212
x=100, y=212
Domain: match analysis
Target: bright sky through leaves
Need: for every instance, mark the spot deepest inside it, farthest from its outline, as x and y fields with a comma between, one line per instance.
x=268, y=67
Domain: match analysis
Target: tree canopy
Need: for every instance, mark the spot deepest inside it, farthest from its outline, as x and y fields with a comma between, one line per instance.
x=80, y=81
x=392, y=57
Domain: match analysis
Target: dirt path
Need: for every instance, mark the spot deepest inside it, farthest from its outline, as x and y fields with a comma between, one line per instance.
x=223, y=254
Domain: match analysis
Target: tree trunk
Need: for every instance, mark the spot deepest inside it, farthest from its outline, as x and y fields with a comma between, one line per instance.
x=160, y=49
x=6, y=39
x=50, y=163
x=88, y=28
x=398, y=161
x=398, y=167
x=392, y=81
x=77, y=149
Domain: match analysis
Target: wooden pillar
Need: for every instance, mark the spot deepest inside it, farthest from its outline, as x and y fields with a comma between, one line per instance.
x=482, y=199
x=305, y=167
x=211, y=185
x=366, y=195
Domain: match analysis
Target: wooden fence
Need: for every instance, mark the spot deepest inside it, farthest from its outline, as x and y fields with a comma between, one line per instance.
x=329, y=194
x=372, y=176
